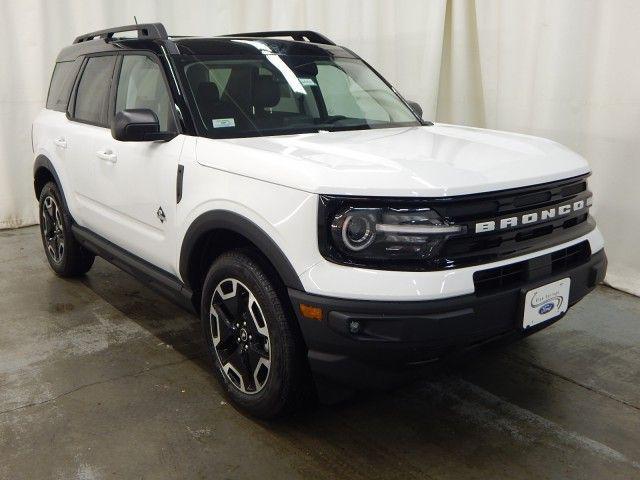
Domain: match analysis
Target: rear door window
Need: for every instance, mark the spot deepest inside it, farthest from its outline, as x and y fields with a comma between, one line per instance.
x=92, y=96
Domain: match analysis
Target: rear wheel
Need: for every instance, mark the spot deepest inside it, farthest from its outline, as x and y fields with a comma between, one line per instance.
x=65, y=255
x=253, y=341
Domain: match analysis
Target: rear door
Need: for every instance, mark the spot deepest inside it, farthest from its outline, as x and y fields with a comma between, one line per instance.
x=51, y=127
x=87, y=110
x=136, y=191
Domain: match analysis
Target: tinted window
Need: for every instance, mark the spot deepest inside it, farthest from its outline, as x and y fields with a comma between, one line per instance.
x=142, y=85
x=93, y=90
x=62, y=79
x=280, y=94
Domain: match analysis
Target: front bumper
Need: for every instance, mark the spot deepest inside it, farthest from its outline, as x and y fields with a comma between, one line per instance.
x=401, y=341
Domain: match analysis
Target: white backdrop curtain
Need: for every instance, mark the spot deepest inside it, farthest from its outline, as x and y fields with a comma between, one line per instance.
x=567, y=70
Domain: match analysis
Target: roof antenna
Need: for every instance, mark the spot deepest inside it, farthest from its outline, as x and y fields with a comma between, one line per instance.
x=135, y=20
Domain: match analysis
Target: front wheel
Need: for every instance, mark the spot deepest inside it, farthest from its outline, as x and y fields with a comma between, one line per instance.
x=253, y=340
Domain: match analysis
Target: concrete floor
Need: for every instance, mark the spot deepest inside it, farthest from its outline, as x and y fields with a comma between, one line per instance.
x=101, y=378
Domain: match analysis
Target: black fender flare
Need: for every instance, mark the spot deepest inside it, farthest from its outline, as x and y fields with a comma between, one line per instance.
x=234, y=222
x=41, y=162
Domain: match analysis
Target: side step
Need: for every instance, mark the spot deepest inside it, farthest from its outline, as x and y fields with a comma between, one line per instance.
x=155, y=278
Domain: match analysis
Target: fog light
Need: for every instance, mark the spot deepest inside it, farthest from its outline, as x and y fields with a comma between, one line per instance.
x=354, y=326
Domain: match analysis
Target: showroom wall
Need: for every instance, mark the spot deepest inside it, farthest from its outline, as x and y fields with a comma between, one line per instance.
x=565, y=70
x=569, y=71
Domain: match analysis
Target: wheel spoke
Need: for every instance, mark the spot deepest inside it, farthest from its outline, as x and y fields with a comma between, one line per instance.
x=48, y=203
x=254, y=354
x=226, y=321
x=58, y=218
x=224, y=311
x=227, y=291
x=242, y=304
x=227, y=344
x=221, y=328
x=226, y=350
x=247, y=372
x=259, y=365
x=48, y=222
x=230, y=306
x=238, y=361
x=256, y=315
x=227, y=336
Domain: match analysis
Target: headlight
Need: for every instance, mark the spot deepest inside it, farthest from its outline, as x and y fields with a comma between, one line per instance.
x=376, y=235
x=357, y=230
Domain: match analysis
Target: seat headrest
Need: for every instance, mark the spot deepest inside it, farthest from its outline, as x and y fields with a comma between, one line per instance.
x=196, y=74
x=266, y=92
x=208, y=93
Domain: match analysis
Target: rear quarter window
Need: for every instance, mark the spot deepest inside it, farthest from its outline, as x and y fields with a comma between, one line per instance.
x=64, y=74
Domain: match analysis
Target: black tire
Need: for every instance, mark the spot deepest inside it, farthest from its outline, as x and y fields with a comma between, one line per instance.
x=285, y=386
x=65, y=255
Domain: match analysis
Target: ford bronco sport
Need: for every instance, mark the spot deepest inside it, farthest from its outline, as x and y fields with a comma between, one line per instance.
x=287, y=193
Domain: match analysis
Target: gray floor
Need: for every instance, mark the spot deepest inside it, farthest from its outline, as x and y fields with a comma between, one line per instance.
x=100, y=378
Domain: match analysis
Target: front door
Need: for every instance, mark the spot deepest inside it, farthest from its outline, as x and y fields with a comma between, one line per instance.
x=137, y=180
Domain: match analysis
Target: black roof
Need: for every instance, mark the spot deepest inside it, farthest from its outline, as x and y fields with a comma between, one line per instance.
x=153, y=37
x=251, y=46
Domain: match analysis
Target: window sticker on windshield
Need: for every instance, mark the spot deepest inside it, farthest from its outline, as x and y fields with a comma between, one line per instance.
x=223, y=122
x=307, y=82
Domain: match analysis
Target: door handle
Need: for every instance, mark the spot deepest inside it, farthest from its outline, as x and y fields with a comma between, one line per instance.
x=60, y=142
x=107, y=156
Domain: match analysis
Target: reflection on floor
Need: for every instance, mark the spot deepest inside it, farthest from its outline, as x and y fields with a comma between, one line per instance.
x=100, y=377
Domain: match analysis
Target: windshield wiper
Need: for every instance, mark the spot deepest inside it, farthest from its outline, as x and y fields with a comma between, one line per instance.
x=340, y=128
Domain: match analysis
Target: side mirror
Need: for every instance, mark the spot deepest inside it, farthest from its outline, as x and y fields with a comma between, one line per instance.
x=138, y=125
x=415, y=106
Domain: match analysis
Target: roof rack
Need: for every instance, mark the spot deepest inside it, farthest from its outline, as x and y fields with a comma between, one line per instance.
x=145, y=30
x=299, y=35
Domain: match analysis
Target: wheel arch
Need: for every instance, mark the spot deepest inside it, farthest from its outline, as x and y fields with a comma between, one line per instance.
x=229, y=228
x=43, y=172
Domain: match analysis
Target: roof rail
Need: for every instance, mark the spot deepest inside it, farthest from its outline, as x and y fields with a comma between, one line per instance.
x=299, y=35
x=145, y=30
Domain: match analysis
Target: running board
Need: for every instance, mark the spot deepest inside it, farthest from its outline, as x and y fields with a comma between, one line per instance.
x=155, y=278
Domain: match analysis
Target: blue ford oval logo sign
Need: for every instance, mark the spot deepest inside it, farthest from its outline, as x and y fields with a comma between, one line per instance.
x=546, y=308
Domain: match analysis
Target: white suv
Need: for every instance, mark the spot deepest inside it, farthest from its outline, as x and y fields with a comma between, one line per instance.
x=286, y=192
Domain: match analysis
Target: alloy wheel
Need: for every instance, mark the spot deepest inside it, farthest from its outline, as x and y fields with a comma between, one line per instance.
x=240, y=336
x=53, y=228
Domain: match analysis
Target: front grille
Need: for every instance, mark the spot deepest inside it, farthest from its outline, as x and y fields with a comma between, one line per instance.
x=516, y=274
x=476, y=248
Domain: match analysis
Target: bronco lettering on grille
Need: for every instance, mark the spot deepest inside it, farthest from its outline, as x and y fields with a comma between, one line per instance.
x=533, y=217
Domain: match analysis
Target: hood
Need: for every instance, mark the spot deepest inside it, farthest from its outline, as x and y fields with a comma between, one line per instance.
x=427, y=161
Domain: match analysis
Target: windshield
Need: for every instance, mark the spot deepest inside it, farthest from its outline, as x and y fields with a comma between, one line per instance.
x=276, y=95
